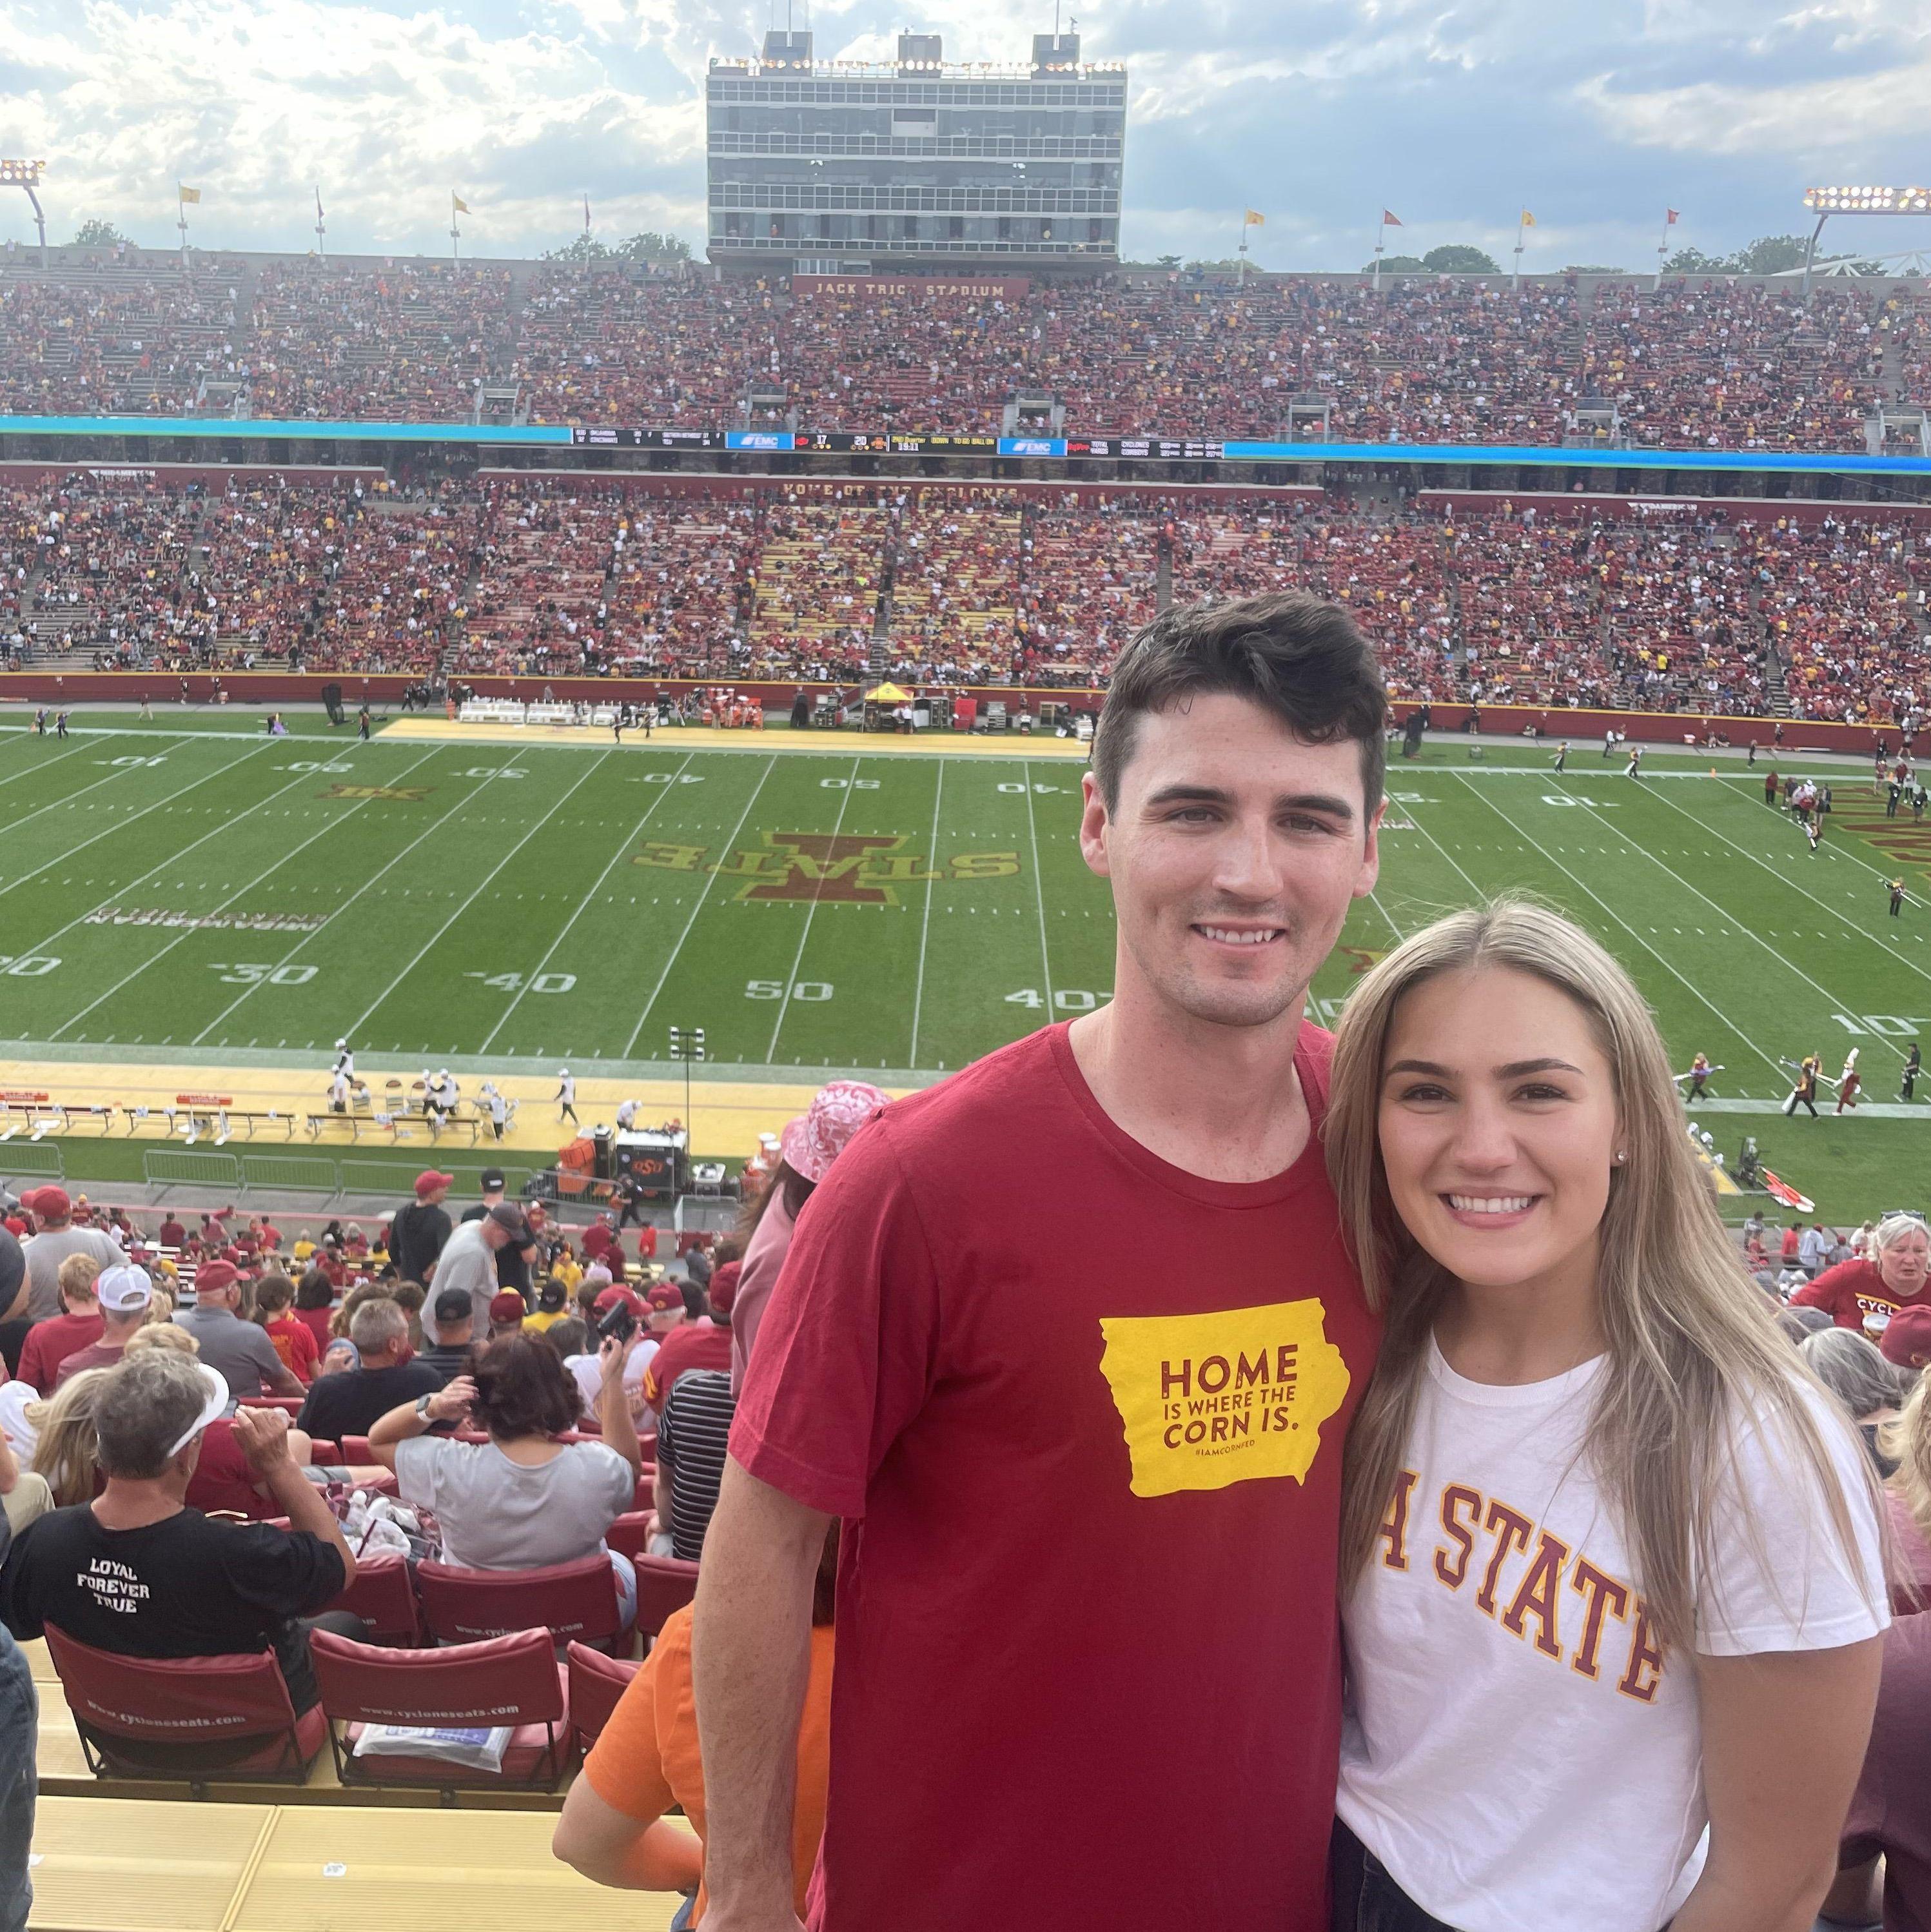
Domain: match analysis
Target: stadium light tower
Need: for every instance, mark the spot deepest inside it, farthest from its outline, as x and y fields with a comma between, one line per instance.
x=687, y=1044
x=1829, y=201
x=25, y=175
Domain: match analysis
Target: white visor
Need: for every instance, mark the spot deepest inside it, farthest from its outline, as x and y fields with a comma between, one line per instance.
x=213, y=1407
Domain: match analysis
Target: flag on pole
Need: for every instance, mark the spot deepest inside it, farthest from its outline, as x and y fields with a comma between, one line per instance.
x=457, y=205
x=1528, y=220
x=1389, y=220
x=1250, y=220
x=318, y=214
x=187, y=194
x=1670, y=218
x=587, y=214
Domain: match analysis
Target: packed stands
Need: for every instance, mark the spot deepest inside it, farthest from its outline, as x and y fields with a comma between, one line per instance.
x=1701, y=362
x=815, y=586
x=955, y=579
x=550, y=575
x=1089, y=575
x=1845, y=601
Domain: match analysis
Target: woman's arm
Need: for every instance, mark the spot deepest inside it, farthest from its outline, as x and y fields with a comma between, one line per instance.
x=613, y=1403
x=611, y=1848
x=406, y=1420
x=1773, y=1834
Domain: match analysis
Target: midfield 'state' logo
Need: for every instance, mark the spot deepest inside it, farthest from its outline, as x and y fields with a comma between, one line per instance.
x=413, y=792
x=850, y=869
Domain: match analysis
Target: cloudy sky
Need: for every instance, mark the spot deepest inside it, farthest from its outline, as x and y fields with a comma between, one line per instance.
x=1594, y=113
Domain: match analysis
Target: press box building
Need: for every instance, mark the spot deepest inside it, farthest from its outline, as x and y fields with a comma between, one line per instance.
x=919, y=165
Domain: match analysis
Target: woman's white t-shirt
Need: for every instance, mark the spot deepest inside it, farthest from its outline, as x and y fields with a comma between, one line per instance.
x=1518, y=1752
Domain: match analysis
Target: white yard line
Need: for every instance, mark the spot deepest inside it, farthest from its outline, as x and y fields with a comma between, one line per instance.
x=68, y=798
x=1743, y=926
x=282, y=859
x=925, y=924
x=30, y=771
x=362, y=1019
x=461, y=804
x=121, y=891
x=1778, y=1071
x=810, y=914
x=770, y=765
x=1039, y=888
x=543, y=964
x=1836, y=852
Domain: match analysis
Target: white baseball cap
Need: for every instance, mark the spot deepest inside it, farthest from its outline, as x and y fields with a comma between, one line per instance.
x=124, y=1288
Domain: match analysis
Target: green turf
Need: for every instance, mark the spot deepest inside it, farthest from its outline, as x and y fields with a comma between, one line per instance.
x=487, y=907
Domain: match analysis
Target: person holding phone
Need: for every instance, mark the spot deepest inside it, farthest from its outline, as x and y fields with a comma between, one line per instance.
x=1610, y=1561
x=522, y=1500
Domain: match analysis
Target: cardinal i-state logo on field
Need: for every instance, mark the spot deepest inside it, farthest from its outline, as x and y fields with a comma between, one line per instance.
x=827, y=868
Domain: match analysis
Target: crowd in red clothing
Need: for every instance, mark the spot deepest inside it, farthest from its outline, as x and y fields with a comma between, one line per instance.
x=1701, y=362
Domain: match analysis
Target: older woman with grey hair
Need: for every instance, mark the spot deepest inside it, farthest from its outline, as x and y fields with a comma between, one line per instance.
x=1867, y=1388
x=1865, y=1295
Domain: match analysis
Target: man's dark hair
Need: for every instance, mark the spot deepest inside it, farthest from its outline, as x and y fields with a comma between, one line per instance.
x=1289, y=652
x=316, y=1291
x=523, y=1389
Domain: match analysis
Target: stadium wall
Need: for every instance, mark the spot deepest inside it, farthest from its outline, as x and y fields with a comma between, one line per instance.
x=248, y=691
x=1575, y=505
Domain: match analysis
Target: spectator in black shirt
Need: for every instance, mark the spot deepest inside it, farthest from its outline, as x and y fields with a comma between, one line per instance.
x=417, y=1232
x=347, y=1403
x=452, y=1323
x=137, y=1573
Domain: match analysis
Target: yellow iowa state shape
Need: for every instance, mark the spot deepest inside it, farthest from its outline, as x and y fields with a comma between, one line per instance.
x=1207, y=1400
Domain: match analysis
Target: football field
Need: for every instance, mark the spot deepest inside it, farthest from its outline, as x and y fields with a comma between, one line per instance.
x=189, y=890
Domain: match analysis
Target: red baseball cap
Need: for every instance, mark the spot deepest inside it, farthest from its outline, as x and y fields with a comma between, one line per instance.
x=724, y=1285
x=508, y=1306
x=429, y=1180
x=614, y=1297
x=213, y=1277
x=48, y=1204
x=663, y=1297
x=1906, y=1339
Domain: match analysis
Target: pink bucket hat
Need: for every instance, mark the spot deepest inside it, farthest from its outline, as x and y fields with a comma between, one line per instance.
x=810, y=1144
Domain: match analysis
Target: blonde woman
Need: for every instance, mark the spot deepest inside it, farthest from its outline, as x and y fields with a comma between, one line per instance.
x=64, y=1440
x=1905, y=1442
x=1611, y=1562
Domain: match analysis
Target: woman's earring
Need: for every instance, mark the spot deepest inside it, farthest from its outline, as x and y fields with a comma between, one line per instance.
x=1620, y=1157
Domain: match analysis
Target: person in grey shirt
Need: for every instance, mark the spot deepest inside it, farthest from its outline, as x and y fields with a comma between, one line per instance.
x=469, y=1258
x=237, y=1351
x=57, y=1238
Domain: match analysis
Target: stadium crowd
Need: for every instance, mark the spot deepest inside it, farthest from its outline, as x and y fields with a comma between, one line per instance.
x=548, y=577
x=1700, y=362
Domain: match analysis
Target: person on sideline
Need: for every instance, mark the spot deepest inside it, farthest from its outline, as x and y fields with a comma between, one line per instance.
x=930, y=1362
x=1611, y=1559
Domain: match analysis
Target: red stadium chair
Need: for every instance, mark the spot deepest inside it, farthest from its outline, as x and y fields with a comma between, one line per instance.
x=569, y=1600
x=290, y=1406
x=383, y=1595
x=513, y=1680
x=596, y=1683
x=663, y=1584
x=151, y=1704
x=355, y=1449
x=630, y=1533
x=645, y=1495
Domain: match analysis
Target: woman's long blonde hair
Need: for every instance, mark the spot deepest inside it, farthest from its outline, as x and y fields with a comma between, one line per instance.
x=1692, y=1349
x=65, y=1444
x=1906, y=1439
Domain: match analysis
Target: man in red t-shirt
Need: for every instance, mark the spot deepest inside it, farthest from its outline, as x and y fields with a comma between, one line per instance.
x=704, y=1343
x=1895, y=1277
x=1075, y=1334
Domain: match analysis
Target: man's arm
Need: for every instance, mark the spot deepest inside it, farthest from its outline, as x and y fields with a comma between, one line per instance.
x=263, y=1434
x=751, y=1653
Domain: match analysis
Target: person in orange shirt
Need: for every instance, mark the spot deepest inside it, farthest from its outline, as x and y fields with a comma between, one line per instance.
x=612, y=1829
